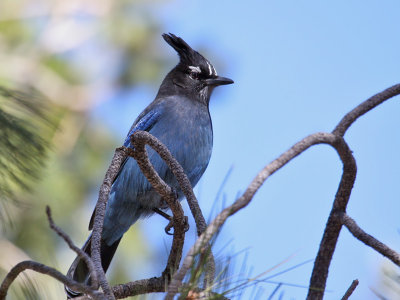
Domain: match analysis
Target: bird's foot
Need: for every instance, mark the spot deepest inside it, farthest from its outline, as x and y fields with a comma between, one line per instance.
x=162, y=214
x=173, y=194
x=171, y=225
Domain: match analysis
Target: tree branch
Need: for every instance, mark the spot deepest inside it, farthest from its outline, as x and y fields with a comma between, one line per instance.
x=332, y=229
x=336, y=220
x=317, y=138
x=134, y=288
x=139, y=153
x=119, y=157
x=139, y=287
x=158, y=284
x=369, y=240
x=350, y=290
x=138, y=140
x=40, y=268
x=334, y=225
x=365, y=107
x=78, y=251
x=179, y=173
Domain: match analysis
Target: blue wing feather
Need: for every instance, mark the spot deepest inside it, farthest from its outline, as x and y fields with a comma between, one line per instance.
x=145, y=124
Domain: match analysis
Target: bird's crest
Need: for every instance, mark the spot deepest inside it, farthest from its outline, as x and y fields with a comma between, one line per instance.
x=189, y=57
x=185, y=52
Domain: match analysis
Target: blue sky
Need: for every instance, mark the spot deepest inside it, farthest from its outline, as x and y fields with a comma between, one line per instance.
x=298, y=67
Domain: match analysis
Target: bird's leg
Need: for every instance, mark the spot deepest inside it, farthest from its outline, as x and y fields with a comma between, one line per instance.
x=163, y=214
x=171, y=221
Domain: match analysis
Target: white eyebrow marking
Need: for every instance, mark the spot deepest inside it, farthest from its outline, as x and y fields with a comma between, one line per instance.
x=195, y=69
x=209, y=67
x=215, y=71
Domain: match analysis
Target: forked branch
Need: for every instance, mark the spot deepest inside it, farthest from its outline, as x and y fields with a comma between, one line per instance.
x=336, y=220
x=40, y=268
x=334, y=224
x=327, y=246
x=318, y=138
x=369, y=240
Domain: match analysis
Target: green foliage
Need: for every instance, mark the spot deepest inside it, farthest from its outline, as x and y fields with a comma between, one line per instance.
x=69, y=54
x=27, y=123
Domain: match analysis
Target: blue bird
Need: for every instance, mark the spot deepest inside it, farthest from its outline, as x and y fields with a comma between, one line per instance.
x=179, y=117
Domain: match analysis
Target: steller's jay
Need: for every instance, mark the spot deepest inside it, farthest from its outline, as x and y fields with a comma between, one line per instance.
x=179, y=117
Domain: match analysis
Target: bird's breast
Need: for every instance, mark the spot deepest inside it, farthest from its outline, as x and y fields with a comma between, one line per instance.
x=187, y=132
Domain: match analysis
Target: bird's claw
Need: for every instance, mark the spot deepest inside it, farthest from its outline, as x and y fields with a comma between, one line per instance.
x=171, y=225
x=174, y=193
x=186, y=228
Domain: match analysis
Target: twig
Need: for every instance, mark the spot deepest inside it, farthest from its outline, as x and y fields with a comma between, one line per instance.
x=317, y=138
x=332, y=229
x=350, y=290
x=336, y=219
x=369, y=240
x=40, y=268
x=179, y=173
x=139, y=287
x=78, y=251
x=138, y=140
x=119, y=157
x=365, y=107
x=274, y=291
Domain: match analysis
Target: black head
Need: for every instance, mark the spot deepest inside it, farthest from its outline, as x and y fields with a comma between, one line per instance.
x=194, y=76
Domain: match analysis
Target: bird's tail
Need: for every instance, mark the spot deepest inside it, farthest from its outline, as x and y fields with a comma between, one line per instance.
x=79, y=271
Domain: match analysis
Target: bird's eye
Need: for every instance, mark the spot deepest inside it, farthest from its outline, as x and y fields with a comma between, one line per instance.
x=194, y=75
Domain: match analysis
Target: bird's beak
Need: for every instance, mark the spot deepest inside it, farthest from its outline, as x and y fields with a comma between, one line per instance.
x=219, y=80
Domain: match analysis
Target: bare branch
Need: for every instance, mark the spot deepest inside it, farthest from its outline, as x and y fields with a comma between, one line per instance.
x=369, y=240
x=177, y=170
x=336, y=220
x=40, y=268
x=334, y=224
x=332, y=229
x=138, y=140
x=139, y=287
x=78, y=251
x=119, y=156
x=317, y=138
x=365, y=107
x=140, y=154
x=350, y=290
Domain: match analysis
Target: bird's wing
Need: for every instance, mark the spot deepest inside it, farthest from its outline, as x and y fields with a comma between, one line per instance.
x=144, y=123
